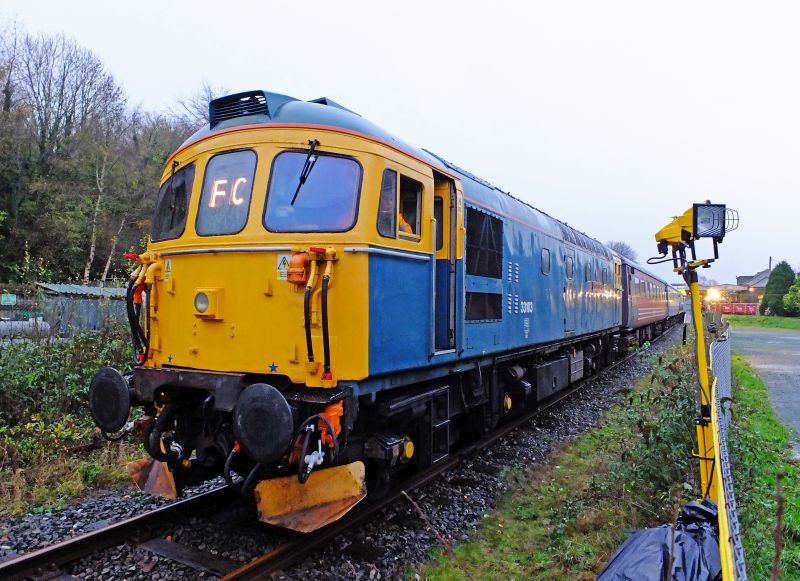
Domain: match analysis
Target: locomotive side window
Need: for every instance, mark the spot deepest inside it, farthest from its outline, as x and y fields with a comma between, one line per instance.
x=570, y=267
x=227, y=189
x=588, y=272
x=172, y=207
x=325, y=202
x=410, y=208
x=484, y=244
x=387, y=205
x=545, y=261
x=484, y=306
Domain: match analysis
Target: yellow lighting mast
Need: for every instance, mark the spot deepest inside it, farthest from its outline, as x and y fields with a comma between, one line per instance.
x=711, y=221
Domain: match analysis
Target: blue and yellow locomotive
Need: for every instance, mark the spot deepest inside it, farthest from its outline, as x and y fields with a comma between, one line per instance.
x=322, y=306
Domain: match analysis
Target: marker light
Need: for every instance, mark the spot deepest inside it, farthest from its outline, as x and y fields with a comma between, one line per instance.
x=201, y=302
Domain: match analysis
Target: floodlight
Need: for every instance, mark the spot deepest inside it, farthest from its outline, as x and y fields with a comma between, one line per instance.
x=709, y=221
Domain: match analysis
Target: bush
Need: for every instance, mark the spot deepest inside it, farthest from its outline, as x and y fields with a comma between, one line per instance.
x=49, y=378
x=663, y=415
x=791, y=300
x=50, y=449
x=780, y=279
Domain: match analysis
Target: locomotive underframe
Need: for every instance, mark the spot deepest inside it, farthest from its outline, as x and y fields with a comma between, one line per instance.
x=435, y=413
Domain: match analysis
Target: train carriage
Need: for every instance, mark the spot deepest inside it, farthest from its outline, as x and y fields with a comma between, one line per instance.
x=322, y=305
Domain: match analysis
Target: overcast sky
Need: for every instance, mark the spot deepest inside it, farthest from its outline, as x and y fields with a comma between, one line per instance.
x=611, y=116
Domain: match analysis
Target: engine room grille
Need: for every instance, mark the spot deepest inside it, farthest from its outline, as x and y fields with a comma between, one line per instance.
x=238, y=105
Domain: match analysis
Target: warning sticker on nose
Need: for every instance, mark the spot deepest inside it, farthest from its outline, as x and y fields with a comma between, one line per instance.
x=283, y=265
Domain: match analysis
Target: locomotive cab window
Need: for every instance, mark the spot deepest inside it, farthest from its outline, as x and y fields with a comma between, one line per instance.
x=387, y=205
x=408, y=217
x=325, y=202
x=172, y=207
x=227, y=189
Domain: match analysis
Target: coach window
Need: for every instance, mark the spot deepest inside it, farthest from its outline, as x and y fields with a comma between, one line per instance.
x=409, y=217
x=387, y=206
x=545, y=261
x=172, y=207
x=225, y=200
x=570, y=267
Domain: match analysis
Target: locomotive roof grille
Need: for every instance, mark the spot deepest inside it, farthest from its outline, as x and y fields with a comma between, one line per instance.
x=238, y=105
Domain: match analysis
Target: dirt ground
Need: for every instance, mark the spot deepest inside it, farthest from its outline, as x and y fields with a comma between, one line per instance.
x=775, y=354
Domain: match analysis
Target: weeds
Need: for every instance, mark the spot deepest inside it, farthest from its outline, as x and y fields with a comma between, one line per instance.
x=50, y=450
x=568, y=517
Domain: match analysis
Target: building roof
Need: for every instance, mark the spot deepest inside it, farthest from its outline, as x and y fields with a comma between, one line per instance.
x=81, y=290
x=758, y=280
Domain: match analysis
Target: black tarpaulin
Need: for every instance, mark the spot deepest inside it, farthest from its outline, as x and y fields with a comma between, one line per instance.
x=687, y=552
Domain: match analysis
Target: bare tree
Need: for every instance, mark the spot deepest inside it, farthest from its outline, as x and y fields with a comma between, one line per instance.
x=192, y=111
x=66, y=87
x=623, y=249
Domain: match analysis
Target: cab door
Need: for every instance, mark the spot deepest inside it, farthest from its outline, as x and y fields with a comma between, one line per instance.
x=444, y=269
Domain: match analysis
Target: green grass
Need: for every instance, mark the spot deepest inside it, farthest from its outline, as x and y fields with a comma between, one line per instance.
x=567, y=518
x=759, y=446
x=761, y=321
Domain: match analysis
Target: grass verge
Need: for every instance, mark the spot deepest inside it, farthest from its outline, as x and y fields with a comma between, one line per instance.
x=568, y=517
x=759, y=445
x=765, y=322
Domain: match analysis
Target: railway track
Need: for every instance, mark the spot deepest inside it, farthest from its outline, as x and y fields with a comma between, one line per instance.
x=296, y=550
x=47, y=563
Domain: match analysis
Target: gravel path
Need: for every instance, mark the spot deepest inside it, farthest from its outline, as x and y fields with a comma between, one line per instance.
x=390, y=547
x=775, y=353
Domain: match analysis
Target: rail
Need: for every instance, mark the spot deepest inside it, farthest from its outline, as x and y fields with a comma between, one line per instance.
x=730, y=546
x=46, y=562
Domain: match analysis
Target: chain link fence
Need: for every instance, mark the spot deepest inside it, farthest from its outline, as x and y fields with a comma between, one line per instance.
x=721, y=367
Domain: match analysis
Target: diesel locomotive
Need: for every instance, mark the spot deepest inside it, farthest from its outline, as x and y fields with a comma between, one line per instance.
x=322, y=307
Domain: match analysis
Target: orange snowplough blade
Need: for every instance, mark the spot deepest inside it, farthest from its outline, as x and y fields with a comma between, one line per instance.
x=326, y=497
x=153, y=477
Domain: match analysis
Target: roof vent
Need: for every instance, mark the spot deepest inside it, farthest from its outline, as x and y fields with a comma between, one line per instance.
x=238, y=105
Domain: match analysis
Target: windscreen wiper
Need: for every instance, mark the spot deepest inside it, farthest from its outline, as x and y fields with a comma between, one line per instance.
x=311, y=159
